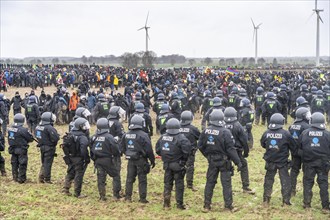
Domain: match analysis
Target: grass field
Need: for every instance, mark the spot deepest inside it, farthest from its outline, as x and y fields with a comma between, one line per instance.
x=34, y=200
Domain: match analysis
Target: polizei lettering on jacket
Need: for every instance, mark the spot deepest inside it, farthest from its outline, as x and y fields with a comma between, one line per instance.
x=211, y=131
x=274, y=135
x=315, y=133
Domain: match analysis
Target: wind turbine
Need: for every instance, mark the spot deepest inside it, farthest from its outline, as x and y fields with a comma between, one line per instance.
x=255, y=33
x=147, y=35
x=318, y=19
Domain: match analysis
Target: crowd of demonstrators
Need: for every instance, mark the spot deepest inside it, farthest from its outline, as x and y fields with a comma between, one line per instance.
x=230, y=106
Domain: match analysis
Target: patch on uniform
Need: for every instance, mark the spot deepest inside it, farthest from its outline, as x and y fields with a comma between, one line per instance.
x=166, y=147
x=130, y=142
x=315, y=140
x=210, y=140
x=11, y=135
x=38, y=134
x=273, y=144
x=295, y=135
x=98, y=146
x=271, y=106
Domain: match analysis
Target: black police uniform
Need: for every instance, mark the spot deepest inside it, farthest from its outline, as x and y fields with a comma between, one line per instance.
x=176, y=108
x=232, y=99
x=314, y=148
x=147, y=127
x=101, y=109
x=103, y=151
x=161, y=121
x=270, y=107
x=117, y=131
x=206, y=116
x=293, y=113
x=246, y=118
x=174, y=150
x=136, y=145
x=327, y=105
x=158, y=106
x=277, y=144
x=217, y=144
x=207, y=104
x=241, y=144
x=2, y=160
x=258, y=101
x=284, y=100
x=18, y=139
x=4, y=115
x=295, y=130
x=318, y=104
x=47, y=137
x=78, y=164
x=192, y=134
x=32, y=115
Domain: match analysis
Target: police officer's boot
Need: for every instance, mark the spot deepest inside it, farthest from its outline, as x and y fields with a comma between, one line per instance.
x=167, y=201
x=41, y=175
x=286, y=202
x=15, y=175
x=206, y=208
x=180, y=206
x=102, y=194
x=266, y=201
x=66, y=188
x=3, y=170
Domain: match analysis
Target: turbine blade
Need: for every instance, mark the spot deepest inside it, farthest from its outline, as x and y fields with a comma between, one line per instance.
x=320, y=18
x=259, y=25
x=147, y=19
x=310, y=17
x=253, y=23
x=140, y=28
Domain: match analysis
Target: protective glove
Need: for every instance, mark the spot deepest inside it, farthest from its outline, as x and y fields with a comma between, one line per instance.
x=153, y=164
x=239, y=167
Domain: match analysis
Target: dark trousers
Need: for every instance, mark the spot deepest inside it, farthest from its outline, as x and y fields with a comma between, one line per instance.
x=285, y=181
x=2, y=164
x=47, y=158
x=16, y=111
x=296, y=166
x=75, y=172
x=190, y=169
x=19, y=165
x=116, y=183
x=169, y=177
x=285, y=112
x=211, y=179
x=136, y=168
x=4, y=125
x=258, y=115
x=32, y=124
x=244, y=171
x=322, y=180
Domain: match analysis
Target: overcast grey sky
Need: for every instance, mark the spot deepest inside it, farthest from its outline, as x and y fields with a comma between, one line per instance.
x=190, y=28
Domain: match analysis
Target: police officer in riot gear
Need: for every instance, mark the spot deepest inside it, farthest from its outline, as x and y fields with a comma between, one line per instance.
x=32, y=113
x=136, y=145
x=284, y=100
x=4, y=115
x=318, y=104
x=223, y=100
x=277, y=143
x=217, y=145
x=301, y=123
x=18, y=140
x=102, y=107
x=271, y=106
x=147, y=126
x=314, y=149
x=326, y=90
x=176, y=105
x=174, y=148
x=162, y=118
x=207, y=102
x=80, y=160
x=300, y=102
x=232, y=97
x=16, y=101
x=47, y=137
x=242, y=94
x=103, y=149
x=241, y=144
x=117, y=131
x=246, y=118
x=81, y=112
x=2, y=148
x=258, y=101
x=216, y=105
x=192, y=134
x=157, y=107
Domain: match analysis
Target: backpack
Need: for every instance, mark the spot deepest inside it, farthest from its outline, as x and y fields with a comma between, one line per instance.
x=69, y=145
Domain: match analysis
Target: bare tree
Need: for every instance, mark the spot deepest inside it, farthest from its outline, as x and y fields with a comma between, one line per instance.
x=207, y=61
x=192, y=62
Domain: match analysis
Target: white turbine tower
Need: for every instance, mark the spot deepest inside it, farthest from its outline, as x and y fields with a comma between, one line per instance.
x=318, y=19
x=147, y=35
x=255, y=34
